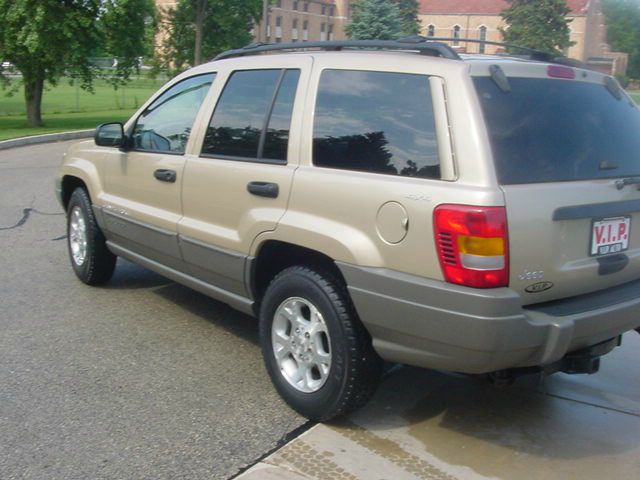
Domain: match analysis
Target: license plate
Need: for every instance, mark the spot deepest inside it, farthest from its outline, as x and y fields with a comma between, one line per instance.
x=610, y=235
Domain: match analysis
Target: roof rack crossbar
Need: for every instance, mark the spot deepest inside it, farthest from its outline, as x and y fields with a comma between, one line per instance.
x=425, y=47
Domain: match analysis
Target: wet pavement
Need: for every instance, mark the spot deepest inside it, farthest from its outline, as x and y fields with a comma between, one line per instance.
x=426, y=424
x=143, y=378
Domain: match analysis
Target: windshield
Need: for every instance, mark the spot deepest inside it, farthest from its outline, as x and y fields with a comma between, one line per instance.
x=548, y=130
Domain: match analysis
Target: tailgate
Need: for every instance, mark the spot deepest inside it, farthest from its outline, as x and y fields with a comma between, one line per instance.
x=567, y=156
x=567, y=238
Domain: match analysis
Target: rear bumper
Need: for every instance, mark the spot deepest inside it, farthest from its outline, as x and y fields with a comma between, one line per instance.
x=432, y=324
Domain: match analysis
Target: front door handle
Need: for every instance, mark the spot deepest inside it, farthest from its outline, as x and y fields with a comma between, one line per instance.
x=165, y=175
x=263, y=189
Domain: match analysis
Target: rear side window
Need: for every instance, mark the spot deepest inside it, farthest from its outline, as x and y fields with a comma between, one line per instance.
x=549, y=130
x=253, y=116
x=165, y=125
x=375, y=122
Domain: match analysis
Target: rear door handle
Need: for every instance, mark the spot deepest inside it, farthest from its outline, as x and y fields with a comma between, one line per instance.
x=263, y=189
x=165, y=175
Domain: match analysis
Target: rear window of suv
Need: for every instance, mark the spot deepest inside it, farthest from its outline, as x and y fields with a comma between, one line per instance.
x=547, y=130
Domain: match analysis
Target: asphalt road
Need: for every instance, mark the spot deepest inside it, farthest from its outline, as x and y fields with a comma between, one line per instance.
x=142, y=378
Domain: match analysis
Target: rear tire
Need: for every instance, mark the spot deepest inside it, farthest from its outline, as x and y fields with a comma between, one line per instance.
x=91, y=260
x=318, y=354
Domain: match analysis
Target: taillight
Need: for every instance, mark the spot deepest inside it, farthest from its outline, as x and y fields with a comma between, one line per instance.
x=472, y=245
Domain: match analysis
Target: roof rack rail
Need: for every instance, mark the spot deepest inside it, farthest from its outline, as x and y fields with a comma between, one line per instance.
x=431, y=46
x=531, y=53
x=424, y=47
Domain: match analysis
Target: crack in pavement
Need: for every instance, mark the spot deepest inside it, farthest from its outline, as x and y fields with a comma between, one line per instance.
x=26, y=213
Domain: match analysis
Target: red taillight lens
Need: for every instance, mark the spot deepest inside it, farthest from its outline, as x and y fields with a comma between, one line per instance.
x=472, y=245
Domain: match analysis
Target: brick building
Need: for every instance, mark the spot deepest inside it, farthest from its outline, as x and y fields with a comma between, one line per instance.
x=303, y=20
x=480, y=19
x=313, y=20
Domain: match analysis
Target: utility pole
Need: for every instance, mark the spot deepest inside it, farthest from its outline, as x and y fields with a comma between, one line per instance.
x=265, y=12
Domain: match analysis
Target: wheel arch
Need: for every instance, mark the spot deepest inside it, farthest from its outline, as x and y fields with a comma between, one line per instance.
x=273, y=256
x=68, y=185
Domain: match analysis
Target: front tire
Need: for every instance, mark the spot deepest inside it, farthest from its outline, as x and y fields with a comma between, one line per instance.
x=317, y=353
x=91, y=260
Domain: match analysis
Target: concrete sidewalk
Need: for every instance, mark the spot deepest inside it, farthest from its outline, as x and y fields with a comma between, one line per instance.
x=425, y=424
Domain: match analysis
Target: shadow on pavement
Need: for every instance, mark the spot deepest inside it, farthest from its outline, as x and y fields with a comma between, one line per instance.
x=211, y=310
x=129, y=276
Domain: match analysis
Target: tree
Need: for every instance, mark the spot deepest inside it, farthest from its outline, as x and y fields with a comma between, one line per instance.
x=200, y=29
x=538, y=24
x=48, y=39
x=375, y=20
x=127, y=29
x=409, y=17
x=623, y=30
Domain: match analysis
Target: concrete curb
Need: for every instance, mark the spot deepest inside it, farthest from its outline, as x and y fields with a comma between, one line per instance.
x=49, y=137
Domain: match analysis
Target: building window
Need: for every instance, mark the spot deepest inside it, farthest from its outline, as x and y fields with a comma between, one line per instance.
x=431, y=31
x=279, y=3
x=332, y=10
x=278, y=28
x=268, y=22
x=483, y=37
x=305, y=30
x=330, y=32
x=295, y=4
x=323, y=31
x=294, y=30
x=456, y=35
x=306, y=6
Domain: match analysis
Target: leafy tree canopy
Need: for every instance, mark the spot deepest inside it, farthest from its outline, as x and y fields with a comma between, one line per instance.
x=623, y=30
x=375, y=20
x=200, y=29
x=409, y=17
x=539, y=24
x=128, y=29
x=48, y=39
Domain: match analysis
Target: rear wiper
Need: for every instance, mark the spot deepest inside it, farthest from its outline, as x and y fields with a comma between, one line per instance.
x=605, y=165
x=499, y=78
x=620, y=184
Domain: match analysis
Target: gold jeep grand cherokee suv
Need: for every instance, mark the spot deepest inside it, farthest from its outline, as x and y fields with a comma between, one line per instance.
x=379, y=200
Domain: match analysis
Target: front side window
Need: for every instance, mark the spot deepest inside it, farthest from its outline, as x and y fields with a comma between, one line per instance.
x=165, y=125
x=431, y=31
x=375, y=122
x=251, y=101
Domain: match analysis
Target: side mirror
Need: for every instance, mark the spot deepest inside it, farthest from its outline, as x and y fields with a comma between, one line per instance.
x=110, y=135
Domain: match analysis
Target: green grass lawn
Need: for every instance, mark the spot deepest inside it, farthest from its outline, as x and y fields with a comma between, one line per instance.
x=16, y=126
x=65, y=98
x=68, y=107
x=635, y=96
